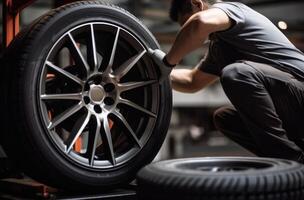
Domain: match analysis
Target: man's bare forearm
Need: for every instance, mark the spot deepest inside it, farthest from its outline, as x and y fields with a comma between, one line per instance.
x=190, y=80
x=182, y=80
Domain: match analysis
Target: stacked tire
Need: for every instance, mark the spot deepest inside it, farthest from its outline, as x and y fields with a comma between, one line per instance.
x=222, y=179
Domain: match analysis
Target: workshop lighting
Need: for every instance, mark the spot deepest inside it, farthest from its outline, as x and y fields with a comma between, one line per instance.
x=282, y=25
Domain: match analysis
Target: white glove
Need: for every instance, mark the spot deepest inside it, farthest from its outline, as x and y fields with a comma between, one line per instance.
x=165, y=69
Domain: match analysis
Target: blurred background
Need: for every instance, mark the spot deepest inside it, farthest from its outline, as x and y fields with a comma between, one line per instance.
x=192, y=132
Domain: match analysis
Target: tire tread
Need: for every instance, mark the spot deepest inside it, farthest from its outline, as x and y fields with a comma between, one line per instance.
x=278, y=185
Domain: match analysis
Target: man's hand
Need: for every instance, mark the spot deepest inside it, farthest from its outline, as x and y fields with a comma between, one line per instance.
x=159, y=57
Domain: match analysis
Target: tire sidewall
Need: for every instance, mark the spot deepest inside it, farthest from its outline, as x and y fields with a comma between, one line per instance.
x=172, y=166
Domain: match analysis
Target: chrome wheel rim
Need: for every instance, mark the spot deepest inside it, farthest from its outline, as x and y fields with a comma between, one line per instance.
x=99, y=95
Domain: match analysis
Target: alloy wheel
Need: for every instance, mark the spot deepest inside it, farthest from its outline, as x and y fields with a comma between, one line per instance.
x=99, y=95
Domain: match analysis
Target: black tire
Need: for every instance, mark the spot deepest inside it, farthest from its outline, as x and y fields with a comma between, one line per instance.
x=28, y=141
x=222, y=179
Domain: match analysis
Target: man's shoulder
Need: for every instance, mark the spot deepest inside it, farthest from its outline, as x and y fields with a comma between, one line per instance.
x=231, y=5
x=236, y=13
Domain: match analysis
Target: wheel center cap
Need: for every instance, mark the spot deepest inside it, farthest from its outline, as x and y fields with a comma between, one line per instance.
x=97, y=93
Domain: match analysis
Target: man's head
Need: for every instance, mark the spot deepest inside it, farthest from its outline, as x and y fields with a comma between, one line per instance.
x=181, y=10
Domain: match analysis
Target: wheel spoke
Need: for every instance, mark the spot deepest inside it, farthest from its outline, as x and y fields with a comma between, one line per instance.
x=110, y=65
x=128, y=65
x=65, y=115
x=65, y=73
x=133, y=85
x=77, y=131
x=76, y=96
x=92, y=50
x=137, y=107
x=92, y=143
x=76, y=53
x=108, y=138
x=128, y=127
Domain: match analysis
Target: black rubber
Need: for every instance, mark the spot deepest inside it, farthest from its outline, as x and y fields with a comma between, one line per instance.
x=25, y=140
x=188, y=179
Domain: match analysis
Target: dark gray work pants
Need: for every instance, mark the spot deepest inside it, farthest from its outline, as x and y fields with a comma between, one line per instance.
x=268, y=113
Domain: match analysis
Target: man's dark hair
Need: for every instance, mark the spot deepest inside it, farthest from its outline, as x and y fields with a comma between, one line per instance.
x=179, y=7
x=182, y=7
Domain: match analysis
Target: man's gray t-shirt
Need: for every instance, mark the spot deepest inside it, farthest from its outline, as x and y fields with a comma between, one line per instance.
x=252, y=37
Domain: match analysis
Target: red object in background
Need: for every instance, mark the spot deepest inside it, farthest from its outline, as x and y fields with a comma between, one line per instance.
x=11, y=10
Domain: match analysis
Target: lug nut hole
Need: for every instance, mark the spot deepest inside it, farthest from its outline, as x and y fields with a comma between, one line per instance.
x=109, y=87
x=86, y=100
x=87, y=87
x=109, y=101
x=97, y=109
x=97, y=80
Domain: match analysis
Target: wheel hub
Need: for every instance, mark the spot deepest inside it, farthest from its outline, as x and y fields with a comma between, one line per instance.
x=97, y=94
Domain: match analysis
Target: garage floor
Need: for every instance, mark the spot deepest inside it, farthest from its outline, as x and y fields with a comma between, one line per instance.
x=23, y=189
